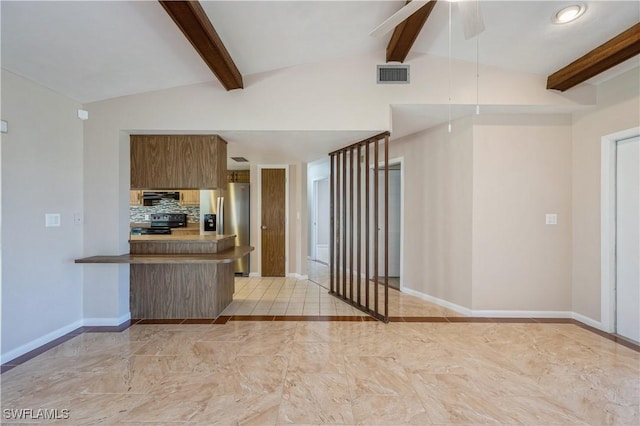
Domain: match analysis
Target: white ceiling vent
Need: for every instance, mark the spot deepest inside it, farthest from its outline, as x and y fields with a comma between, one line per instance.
x=393, y=74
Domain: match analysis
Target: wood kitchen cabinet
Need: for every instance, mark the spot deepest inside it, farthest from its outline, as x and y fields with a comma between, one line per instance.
x=190, y=197
x=178, y=161
x=135, y=198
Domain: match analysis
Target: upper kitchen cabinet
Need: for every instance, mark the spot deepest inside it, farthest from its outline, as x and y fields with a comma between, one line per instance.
x=190, y=197
x=135, y=198
x=178, y=161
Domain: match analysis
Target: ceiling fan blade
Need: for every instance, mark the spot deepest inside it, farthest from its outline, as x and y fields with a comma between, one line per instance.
x=472, y=21
x=394, y=20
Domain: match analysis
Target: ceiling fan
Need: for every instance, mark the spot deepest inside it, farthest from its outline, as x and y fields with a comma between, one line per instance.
x=472, y=21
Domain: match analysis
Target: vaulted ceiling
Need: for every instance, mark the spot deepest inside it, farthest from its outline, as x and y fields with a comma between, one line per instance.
x=95, y=50
x=98, y=50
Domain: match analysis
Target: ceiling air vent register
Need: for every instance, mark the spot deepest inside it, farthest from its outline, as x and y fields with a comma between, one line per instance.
x=393, y=74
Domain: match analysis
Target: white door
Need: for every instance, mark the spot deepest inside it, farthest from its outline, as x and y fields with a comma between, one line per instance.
x=628, y=238
x=322, y=220
x=394, y=222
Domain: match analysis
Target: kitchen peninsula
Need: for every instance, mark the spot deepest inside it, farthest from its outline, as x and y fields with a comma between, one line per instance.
x=179, y=276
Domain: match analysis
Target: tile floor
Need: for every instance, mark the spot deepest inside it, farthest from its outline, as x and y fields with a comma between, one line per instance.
x=289, y=296
x=334, y=372
x=284, y=296
x=346, y=373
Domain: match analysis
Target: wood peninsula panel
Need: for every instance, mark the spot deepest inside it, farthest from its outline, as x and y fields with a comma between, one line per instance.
x=180, y=244
x=178, y=161
x=180, y=290
x=170, y=247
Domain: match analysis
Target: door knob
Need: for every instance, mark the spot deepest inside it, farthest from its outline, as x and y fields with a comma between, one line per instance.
x=263, y=227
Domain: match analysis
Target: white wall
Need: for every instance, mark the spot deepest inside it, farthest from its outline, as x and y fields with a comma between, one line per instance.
x=521, y=171
x=474, y=212
x=618, y=109
x=438, y=170
x=41, y=173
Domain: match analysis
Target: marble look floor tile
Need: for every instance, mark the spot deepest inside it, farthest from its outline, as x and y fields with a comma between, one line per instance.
x=260, y=374
x=243, y=409
x=389, y=410
x=316, y=358
x=315, y=399
x=318, y=332
x=377, y=376
x=288, y=372
x=138, y=376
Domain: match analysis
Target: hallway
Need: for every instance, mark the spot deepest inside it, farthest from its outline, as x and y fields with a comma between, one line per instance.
x=290, y=296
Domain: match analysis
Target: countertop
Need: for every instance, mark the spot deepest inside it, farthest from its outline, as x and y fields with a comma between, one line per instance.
x=226, y=256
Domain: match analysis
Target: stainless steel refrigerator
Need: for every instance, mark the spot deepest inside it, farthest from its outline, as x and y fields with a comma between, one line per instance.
x=237, y=220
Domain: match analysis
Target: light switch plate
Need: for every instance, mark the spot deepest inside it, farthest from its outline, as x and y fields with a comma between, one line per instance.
x=551, y=219
x=52, y=220
x=77, y=219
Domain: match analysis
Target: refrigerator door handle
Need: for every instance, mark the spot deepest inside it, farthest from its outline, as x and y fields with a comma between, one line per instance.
x=220, y=216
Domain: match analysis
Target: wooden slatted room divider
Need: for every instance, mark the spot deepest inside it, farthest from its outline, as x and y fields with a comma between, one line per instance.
x=354, y=251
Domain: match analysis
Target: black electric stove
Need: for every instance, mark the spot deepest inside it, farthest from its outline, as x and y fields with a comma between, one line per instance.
x=168, y=220
x=161, y=224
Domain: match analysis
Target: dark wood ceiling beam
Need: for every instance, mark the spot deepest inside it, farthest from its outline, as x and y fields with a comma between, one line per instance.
x=617, y=50
x=196, y=26
x=406, y=33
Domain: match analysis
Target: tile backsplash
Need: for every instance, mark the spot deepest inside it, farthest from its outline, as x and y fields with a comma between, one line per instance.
x=137, y=213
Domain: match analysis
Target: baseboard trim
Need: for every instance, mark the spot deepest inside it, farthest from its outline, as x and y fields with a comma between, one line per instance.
x=102, y=322
x=42, y=344
x=588, y=321
x=503, y=313
x=441, y=302
x=297, y=276
x=521, y=314
x=40, y=341
x=254, y=275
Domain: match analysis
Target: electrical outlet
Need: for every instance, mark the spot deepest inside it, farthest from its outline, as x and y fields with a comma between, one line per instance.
x=551, y=219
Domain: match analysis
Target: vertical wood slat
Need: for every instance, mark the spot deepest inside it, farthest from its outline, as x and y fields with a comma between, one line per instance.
x=351, y=223
x=346, y=233
x=344, y=220
x=376, y=225
x=331, y=224
x=359, y=225
x=367, y=227
x=386, y=226
x=338, y=224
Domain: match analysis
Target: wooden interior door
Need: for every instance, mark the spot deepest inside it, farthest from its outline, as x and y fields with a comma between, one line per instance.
x=273, y=222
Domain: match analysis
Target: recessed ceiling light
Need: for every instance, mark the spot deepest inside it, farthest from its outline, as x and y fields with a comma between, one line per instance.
x=569, y=13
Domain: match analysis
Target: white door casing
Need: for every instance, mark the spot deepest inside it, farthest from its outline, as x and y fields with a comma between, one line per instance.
x=628, y=238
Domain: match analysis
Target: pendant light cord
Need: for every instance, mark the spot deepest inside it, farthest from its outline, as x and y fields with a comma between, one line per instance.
x=477, y=61
x=449, y=126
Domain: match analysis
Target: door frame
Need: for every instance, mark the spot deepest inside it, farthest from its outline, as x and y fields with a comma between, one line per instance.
x=286, y=213
x=393, y=162
x=314, y=218
x=608, y=226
